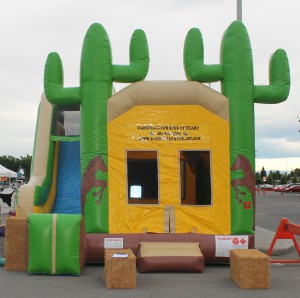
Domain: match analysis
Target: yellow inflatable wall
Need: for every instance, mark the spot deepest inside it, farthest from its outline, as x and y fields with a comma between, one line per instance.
x=166, y=133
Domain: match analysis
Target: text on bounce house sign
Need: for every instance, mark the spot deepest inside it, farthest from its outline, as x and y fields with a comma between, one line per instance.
x=225, y=243
x=169, y=133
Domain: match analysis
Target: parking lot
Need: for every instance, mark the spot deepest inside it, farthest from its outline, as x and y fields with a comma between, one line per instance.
x=215, y=281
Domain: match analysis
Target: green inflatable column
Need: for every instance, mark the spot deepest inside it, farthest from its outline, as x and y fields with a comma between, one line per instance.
x=236, y=75
x=237, y=85
x=97, y=75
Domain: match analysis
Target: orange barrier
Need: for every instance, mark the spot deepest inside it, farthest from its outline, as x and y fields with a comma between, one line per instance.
x=286, y=230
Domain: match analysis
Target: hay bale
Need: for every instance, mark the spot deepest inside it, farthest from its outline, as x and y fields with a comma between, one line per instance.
x=16, y=244
x=120, y=273
x=250, y=268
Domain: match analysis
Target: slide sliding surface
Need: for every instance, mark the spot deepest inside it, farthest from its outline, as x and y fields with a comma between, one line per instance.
x=68, y=200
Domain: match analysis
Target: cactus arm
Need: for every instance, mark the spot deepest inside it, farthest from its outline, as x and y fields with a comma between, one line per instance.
x=53, y=83
x=194, y=66
x=279, y=87
x=139, y=60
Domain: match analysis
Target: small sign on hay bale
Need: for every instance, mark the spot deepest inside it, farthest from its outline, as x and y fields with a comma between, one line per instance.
x=120, y=272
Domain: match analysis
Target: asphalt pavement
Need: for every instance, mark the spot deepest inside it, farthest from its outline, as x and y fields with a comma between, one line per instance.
x=215, y=281
x=271, y=207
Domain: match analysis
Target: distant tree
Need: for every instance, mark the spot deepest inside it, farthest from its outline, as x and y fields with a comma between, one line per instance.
x=263, y=173
x=258, y=178
x=284, y=179
x=9, y=162
x=297, y=174
x=297, y=171
x=277, y=175
x=14, y=163
x=270, y=178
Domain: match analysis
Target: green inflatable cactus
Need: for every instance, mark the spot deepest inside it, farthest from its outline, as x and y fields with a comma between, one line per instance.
x=236, y=75
x=97, y=73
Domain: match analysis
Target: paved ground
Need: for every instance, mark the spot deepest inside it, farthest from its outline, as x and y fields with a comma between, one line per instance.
x=215, y=281
x=273, y=206
x=270, y=209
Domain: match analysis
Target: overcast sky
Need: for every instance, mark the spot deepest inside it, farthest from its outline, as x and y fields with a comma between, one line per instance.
x=30, y=29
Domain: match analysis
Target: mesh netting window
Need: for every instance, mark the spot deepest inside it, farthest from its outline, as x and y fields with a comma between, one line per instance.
x=66, y=121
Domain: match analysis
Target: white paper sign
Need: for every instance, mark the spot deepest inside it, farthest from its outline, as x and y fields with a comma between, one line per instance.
x=225, y=243
x=113, y=242
x=120, y=255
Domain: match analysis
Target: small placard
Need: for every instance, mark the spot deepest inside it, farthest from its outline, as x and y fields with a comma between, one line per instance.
x=225, y=243
x=120, y=255
x=113, y=242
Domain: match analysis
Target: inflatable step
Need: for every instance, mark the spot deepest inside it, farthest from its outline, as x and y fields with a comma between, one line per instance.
x=170, y=257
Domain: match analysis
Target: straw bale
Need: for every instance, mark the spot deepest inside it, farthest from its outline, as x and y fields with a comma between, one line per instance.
x=250, y=268
x=120, y=273
x=16, y=244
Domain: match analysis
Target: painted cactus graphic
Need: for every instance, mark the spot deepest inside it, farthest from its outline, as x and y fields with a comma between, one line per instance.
x=97, y=73
x=235, y=72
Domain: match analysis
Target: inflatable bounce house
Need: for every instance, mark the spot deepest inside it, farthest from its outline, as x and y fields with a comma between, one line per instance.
x=158, y=161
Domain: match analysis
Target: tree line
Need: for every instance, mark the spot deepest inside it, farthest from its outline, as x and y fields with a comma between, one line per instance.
x=277, y=177
x=14, y=163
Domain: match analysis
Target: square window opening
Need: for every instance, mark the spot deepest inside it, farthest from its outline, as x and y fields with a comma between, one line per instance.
x=142, y=177
x=195, y=178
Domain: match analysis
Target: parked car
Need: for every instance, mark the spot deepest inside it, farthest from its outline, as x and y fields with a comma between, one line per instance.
x=285, y=189
x=267, y=187
x=279, y=188
x=293, y=188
